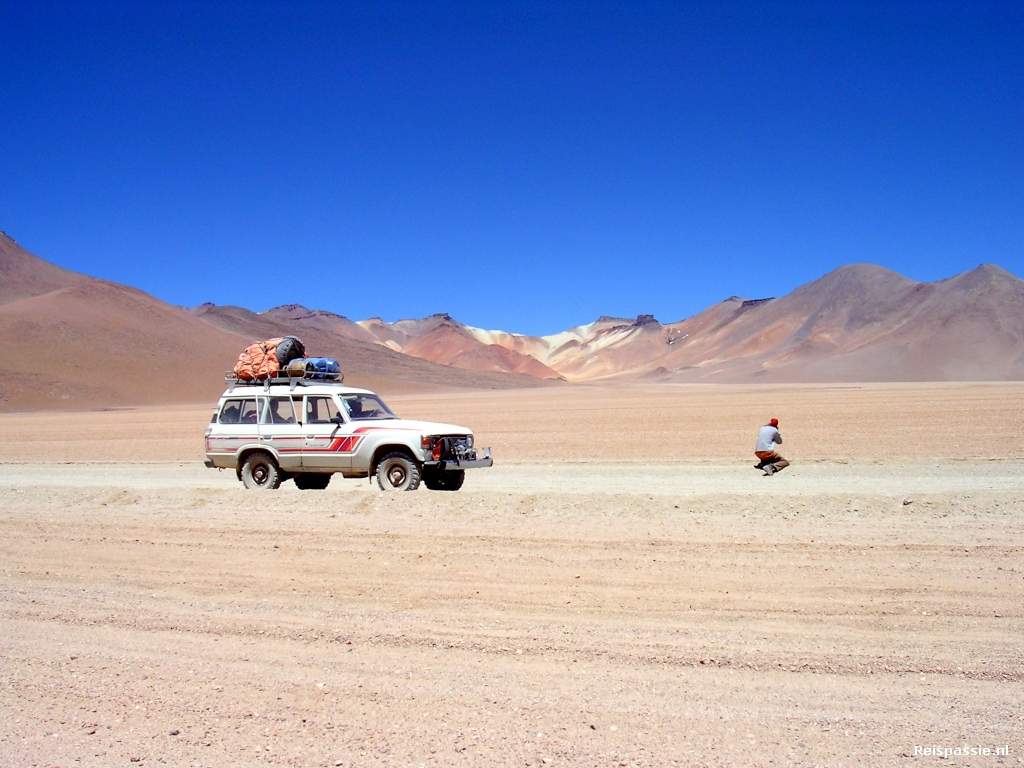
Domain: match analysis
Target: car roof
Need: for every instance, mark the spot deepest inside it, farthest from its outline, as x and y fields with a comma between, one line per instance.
x=252, y=390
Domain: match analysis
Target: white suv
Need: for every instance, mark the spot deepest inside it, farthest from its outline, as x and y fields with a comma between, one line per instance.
x=307, y=430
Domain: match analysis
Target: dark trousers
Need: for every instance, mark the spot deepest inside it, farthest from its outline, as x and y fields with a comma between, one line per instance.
x=770, y=457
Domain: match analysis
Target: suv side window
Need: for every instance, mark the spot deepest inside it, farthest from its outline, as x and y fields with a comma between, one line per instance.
x=321, y=410
x=248, y=411
x=279, y=410
x=230, y=412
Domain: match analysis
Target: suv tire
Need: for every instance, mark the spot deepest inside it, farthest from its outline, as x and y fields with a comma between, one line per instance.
x=446, y=480
x=398, y=472
x=260, y=472
x=312, y=481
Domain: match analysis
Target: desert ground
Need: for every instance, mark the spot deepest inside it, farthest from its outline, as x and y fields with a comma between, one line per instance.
x=621, y=589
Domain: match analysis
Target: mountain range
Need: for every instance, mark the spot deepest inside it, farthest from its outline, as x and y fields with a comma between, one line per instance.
x=860, y=322
x=75, y=341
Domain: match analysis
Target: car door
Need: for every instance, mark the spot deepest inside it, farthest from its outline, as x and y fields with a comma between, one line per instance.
x=280, y=429
x=236, y=426
x=327, y=443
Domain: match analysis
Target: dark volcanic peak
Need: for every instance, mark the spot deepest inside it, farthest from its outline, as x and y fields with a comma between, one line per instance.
x=642, y=320
x=755, y=302
x=299, y=312
x=425, y=323
x=286, y=309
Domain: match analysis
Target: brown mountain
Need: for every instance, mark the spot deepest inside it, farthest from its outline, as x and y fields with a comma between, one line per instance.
x=450, y=343
x=608, y=348
x=320, y=320
x=79, y=342
x=863, y=323
x=442, y=339
x=437, y=338
x=860, y=322
x=367, y=364
x=24, y=275
x=967, y=327
x=98, y=344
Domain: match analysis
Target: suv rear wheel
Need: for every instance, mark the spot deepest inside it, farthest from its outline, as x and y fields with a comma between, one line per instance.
x=398, y=472
x=312, y=481
x=260, y=471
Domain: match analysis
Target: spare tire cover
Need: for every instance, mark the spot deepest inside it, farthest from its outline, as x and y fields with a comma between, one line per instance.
x=288, y=349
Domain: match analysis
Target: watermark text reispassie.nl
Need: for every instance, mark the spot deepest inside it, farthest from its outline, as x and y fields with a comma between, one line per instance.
x=962, y=751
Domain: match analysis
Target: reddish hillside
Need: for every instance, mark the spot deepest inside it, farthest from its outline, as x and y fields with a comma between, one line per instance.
x=866, y=323
x=86, y=343
x=812, y=321
x=23, y=275
x=611, y=348
x=437, y=338
x=860, y=322
x=448, y=343
x=969, y=327
x=365, y=364
x=385, y=333
x=98, y=344
x=78, y=342
x=319, y=320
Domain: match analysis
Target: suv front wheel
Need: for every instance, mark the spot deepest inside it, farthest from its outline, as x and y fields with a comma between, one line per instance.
x=260, y=471
x=397, y=472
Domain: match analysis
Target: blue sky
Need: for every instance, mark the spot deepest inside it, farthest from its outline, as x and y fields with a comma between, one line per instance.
x=523, y=166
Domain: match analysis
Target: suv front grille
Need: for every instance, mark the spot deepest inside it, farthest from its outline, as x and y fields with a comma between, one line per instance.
x=457, y=448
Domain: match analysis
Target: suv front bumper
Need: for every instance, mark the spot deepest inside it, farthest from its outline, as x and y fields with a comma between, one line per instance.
x=454, y=465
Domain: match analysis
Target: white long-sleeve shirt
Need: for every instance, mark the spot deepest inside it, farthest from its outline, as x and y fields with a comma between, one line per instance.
x=768, y=438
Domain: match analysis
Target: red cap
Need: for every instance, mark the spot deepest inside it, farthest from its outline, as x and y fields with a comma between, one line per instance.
x=773, y=423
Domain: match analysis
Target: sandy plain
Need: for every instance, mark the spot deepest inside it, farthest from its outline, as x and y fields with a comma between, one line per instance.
x=622, y=588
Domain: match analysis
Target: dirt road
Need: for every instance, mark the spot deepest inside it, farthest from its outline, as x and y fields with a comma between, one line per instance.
x=587, y=612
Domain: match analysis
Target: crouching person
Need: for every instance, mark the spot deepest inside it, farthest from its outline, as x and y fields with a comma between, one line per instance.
x=769, y=461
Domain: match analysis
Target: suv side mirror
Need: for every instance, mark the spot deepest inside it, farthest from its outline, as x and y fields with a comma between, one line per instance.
x=338, y=420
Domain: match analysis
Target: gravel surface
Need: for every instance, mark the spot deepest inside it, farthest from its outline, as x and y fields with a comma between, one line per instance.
x=665, y=606
x=159, y=614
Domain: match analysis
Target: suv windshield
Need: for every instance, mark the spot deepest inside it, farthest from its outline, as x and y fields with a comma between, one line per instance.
x=366, y=408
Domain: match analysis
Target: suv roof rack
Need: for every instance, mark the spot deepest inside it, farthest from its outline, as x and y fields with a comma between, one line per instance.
x=292, y=381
